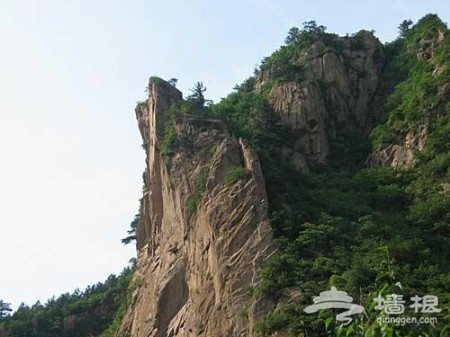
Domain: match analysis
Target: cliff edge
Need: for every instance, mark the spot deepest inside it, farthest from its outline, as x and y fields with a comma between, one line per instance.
x=203, y=228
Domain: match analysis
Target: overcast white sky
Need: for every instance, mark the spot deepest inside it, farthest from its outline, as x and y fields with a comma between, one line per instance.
x=70, y=74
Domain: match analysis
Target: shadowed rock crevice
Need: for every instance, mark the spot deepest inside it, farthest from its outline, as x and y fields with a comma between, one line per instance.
x=173, y=296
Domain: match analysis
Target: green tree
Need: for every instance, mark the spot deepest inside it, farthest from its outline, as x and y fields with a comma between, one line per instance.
x=173, y=81
x=291, y=38
x=132, y=232
x=80, y=314
x=312, y=27
x=404, y=27
x=197, y=97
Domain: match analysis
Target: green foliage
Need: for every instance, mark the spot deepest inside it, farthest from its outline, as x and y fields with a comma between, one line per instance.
x=142, y=104
x=173, y=82
x=373, y=323
x=132, y=231
x=359, y=38
x=310, y=32
x=197, y=195
x=247, y=86
x=330, y=227
x=249, y=116
x=243, y=312
x=282, y=66
x=404, y=27
x=284, y=319
x=381, y=136
x=435, y=158
x=212, y=150
x=356, y=230
x=99, y=308
x=311, y=27
x=237, y=174
x=361, y=231
x=286, y=63
x=195, y=105
x=197, y=99
x=156, y=80
x=293, y=33
x=114, y=327
x=170, y=139
x=413, y=59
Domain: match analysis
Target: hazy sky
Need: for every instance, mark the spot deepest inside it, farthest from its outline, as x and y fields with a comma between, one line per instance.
x=71, y=72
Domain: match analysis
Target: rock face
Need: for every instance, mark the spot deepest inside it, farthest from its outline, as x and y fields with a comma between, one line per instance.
x=400, y=155
x=203, y=229
x=333, y=105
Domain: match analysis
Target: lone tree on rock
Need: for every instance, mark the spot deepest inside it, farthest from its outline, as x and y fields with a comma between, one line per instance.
x=404, y=27
x=173, y=81
x=197, y=96
x=292, y=36
x=312, y=27
x=132, y=232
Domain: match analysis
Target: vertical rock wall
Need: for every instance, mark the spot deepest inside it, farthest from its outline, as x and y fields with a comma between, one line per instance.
x=203, y=232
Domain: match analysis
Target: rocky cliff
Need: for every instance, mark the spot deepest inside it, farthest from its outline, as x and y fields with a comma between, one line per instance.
x=300, y=143
x=320, y=105
x=333, y=105
x=203, y=228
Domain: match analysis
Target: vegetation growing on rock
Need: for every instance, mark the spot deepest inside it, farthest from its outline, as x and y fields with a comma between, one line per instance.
x=367, y=229
x=353, y=139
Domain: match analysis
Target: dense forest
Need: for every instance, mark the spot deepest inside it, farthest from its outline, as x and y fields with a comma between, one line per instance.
x=367, y=229
x=96, y=311
x=374, y=229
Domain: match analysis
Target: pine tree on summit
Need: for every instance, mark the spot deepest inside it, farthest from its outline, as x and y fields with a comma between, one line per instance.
x=197, y=96
x=292, y=36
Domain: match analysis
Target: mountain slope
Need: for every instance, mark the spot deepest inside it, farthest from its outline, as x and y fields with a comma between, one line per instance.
x=348, y=206
x=330, y=166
